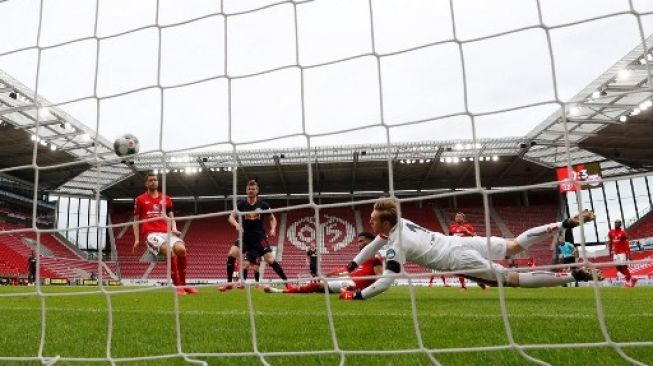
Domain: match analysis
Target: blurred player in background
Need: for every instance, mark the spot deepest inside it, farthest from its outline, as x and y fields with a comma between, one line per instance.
x=153, y=204
x=311, y=258
x=255, y=243
x=619, y=248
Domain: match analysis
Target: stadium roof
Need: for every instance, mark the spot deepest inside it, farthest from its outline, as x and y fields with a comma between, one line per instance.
x=607, y=122
x=65, y=146
x=610, y=119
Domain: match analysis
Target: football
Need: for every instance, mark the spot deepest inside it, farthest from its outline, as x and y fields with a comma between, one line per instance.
x=126, y=144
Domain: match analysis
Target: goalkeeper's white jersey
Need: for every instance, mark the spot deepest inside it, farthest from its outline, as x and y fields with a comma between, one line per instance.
x=410, y=242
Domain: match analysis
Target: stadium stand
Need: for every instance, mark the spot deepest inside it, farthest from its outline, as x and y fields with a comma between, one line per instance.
x=208, y=240
x=59, y=261
x=130, y=266
x=339, y=230
x=13, y=257
x=642, y=228
x=520, y=218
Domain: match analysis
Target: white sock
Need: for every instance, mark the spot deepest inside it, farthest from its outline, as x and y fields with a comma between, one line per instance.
x=544, y=279
x=533, y=235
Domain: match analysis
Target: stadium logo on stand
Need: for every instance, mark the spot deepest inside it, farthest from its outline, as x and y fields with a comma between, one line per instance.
x=336, y=232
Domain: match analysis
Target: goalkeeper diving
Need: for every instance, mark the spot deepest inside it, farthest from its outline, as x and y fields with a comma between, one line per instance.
x=409, y=242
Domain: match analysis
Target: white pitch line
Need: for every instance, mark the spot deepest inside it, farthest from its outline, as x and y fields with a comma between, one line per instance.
x=344, y=314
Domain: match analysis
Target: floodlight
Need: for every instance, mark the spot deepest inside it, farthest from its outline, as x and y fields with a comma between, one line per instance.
x=623, y=74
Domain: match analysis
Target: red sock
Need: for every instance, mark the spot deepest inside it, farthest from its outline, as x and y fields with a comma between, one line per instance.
x=431, y=279
x=182, y=270
x=444, y=280
x=173, y=270
x=462, y=281
x=626, y=273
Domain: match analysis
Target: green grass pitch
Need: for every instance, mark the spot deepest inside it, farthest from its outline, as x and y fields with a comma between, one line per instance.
x=218, y=323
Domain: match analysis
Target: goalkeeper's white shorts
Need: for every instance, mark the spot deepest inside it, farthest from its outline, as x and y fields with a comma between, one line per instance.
x=471, y=253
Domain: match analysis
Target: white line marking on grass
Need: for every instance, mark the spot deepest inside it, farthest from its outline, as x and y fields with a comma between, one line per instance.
x=336, y=313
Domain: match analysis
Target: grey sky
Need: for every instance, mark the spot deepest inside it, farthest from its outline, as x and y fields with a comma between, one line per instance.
x=502, y=72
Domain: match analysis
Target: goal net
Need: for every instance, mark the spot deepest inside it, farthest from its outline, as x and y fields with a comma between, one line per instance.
x=511, y=112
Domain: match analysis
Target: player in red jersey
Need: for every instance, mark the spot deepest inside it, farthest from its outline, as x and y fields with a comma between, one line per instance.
x=153, y=204
x=371, y=267
x=619, y=248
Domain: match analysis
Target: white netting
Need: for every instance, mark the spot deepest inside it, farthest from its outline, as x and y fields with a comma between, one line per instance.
x=378, y=113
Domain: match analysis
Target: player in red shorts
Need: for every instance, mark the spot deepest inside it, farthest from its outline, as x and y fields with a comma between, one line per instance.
x=371, y=267
x=620, y=249
x=153, y=204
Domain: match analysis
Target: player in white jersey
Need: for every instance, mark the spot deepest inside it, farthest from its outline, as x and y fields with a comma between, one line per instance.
x=412, y=243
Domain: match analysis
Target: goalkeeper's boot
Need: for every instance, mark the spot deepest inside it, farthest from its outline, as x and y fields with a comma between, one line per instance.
x=573, y=222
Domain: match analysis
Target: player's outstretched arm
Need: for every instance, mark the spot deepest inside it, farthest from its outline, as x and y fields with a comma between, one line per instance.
x=378, y=287
x=367, y=252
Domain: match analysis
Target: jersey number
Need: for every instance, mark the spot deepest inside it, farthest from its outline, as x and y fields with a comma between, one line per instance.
x=414, y=227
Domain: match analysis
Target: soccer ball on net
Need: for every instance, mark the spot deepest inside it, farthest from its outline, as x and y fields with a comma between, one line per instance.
x=126, y=144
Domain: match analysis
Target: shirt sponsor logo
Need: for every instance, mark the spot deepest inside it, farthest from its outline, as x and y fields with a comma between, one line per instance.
x=252, y=216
